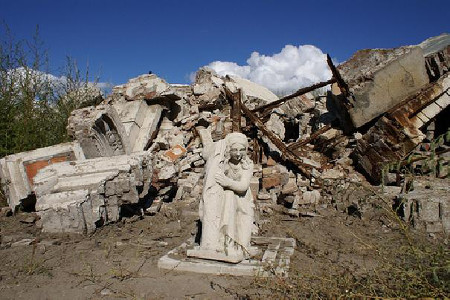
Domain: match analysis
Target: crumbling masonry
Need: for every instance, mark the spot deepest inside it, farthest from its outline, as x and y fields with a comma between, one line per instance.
x=140, y=147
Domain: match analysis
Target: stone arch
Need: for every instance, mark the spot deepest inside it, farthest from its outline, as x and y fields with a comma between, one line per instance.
x=99, y=131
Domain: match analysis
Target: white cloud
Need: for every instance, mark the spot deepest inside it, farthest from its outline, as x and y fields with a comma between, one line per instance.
x=34, y=77
x=282, y=73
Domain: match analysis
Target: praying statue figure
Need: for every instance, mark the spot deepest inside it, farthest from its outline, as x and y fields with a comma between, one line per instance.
x=226, y=208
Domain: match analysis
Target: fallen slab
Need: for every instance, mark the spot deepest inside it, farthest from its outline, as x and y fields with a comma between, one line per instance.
x=80, y=196
x=17, y=171
x=378, y=80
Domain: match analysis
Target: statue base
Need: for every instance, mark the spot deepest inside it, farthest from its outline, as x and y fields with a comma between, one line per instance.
x=197, y=252
x=272, y=258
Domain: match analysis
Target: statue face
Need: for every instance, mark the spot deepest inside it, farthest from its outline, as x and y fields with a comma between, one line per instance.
x=237, y=152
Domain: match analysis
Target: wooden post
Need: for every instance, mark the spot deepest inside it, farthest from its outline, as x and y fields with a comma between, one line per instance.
x=235, y=109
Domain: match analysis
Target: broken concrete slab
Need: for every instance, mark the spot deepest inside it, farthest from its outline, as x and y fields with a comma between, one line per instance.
x=427, y=206
x=17, y=171
x=380, y=79
x=148, y=129
x=147, y=86
x=437, y=55
x=253, y=91
x=79, y=196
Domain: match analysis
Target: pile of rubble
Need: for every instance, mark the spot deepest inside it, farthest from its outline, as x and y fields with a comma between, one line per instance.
x=140, y=147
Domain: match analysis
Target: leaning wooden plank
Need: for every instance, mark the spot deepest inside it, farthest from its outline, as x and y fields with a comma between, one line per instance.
x=267, y=107
x=277, y=142
x=312, y=137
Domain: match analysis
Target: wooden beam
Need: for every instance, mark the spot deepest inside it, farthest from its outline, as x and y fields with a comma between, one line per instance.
x=313, y=136
x=302, y=91
x=286, y=153
x=236, y=100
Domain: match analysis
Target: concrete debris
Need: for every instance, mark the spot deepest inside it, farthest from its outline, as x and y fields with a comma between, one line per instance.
x=17, y=171
x=397, y=133
x=427, y=206
x=80, y=196
x=144, y=87
x=99, y=131
x=380, y=79
x=140, y=148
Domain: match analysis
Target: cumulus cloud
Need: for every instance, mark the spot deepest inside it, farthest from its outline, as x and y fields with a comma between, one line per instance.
x=282, y=73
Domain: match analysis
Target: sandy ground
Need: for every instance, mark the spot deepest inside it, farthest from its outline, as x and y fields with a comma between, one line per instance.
x=336, y=254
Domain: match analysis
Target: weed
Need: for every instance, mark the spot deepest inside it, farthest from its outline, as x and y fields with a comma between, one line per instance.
x=33, y=266
x=406, y=266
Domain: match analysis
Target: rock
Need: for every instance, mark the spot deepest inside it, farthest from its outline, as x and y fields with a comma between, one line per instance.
x=290, y=187
x=332, y=174
x=29, y=219
x=276, y=126
x=167, y=172
x=263, y=195
x=271, y=162
x=298, y=105
x=6, y=212
x=357, y=135
x=21, y=243
x=310, y=197
x=270, y=181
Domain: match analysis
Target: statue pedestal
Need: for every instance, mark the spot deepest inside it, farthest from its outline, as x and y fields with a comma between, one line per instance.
x=273, y=258
x=215, y=255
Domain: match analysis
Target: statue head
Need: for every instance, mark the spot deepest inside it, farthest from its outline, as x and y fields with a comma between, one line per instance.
x=237, y=147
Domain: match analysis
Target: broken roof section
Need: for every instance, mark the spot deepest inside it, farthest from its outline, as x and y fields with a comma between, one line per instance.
x=395, y=93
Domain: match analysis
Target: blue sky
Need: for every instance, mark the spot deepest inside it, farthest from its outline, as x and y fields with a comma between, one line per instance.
x=123, y=39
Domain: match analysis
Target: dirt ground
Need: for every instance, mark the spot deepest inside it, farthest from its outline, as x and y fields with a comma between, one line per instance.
x=337, y=254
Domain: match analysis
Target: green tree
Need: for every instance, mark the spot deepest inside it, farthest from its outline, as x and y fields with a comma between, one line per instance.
x=34, y=105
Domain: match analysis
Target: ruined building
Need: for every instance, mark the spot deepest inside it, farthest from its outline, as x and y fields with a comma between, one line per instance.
x=140, y=148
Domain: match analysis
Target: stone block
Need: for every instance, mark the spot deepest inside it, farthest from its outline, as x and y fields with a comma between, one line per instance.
x=290, y=187
x=381, y=79
x=270, y=181
x=17, y=171
x=79, y=196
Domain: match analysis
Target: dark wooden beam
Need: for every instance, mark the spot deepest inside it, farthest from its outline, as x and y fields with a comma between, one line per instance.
x=286, y=153
x=312, y=137
x=302, y=91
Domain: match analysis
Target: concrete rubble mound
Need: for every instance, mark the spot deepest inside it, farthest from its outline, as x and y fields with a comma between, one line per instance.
x=385, y=110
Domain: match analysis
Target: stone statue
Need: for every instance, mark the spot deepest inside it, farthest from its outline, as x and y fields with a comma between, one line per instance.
x=226, y=207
